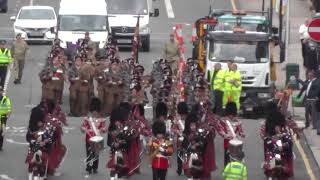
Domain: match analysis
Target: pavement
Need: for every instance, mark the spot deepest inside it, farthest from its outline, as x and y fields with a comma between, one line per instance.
x=26, y=95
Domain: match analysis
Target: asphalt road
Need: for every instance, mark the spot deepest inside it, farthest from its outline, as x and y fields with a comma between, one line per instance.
x=26, y=95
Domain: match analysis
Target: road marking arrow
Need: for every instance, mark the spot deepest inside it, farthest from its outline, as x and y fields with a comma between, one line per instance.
x=15, y=142
x=6, y=177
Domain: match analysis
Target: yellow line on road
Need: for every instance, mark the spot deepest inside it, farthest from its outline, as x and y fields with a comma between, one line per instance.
x=305, y=159
x=233, y=5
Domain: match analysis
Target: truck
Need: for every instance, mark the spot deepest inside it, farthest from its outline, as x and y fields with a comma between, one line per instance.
x=248, y=39
x=123, y=16
x=76, y=17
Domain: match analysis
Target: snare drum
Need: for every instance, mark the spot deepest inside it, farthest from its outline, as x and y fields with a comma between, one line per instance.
x=97, y=143
x=235, y=147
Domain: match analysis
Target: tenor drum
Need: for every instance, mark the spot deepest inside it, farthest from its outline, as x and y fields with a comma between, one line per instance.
x=97, y=143
x=235, y=147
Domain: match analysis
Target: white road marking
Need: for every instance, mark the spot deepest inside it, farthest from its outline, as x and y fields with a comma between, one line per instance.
x=6, y=177
x=314, y=29
x=169, y=8
x=15, y=142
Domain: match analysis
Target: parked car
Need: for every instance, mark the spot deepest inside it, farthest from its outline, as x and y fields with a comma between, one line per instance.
x=34, y=23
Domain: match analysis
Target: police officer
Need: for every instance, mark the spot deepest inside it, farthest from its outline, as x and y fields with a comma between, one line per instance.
x=217, y=87
x=5, y=111
x=235, y=169
x=5, y=61
x=19, y=50
x=172, y=53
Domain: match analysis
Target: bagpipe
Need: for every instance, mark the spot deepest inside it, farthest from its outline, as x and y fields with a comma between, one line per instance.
x=277, y=150
x=39, y=146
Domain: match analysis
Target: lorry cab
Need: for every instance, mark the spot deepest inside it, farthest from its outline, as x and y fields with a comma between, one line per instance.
x=123, y=16
x=76, y=17
x=245, y=41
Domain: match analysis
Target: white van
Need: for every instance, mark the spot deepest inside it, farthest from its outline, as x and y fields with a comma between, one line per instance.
x=123, y=19
x=76, y=17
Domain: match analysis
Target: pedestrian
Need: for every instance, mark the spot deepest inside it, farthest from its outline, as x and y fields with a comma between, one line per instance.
x=5, y=111
x=74, y=88
x=236, y=85
x=178, y=128
x=161, y=148
x=311, y=87
x=236, y=169
x=93, y=125
x=303, y=31
x=172, y=53
x=216, y=80
x=19, y=50
x=231, y=116
x=90, y=43
x=5, y=61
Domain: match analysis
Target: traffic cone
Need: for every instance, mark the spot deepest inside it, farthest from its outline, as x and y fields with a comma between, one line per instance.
x=194, y=33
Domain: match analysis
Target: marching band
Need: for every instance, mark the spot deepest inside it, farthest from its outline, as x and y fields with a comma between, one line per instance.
x=121, y=96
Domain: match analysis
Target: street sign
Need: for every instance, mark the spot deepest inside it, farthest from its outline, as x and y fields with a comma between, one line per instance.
x=314, y=29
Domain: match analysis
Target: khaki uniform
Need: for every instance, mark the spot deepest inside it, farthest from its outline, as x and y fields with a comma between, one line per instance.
x=19, y=50
x=103, y=93
x=115, y=89
x=172, y=54
x=85, y=77
x=90, y=69
x=58, y=79
x=74, y=88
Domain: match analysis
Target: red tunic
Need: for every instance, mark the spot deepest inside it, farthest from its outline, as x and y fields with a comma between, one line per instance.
x=160, y=161
x=100, y=124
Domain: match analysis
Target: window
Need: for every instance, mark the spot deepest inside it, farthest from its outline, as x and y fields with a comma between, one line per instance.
x=82, y=23
x=128, y=7
x=37, y=14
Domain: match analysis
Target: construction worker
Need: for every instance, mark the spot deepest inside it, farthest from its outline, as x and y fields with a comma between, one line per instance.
x=5, y=61
x=235, y=170
x=227, y=85
x=5, y=111
x=19, y=50
x=172, y=53
x=236, y=85
x=217, y=88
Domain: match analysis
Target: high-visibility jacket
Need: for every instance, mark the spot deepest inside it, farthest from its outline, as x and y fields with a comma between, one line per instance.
x=235, y=171
x=236, y=76
x=218, y=82
x=228, y=77
x=5, y=106
x=5, y=56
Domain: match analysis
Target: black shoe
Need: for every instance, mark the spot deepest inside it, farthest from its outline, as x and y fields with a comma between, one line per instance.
x=318, y=133
x=179, y=172
x=95, y=171
x=89, y=170
x=16, y=81
x=307, y=125
x=1, y=149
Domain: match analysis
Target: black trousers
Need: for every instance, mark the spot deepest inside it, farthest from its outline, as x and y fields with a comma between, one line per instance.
x=218, y=96
x=303, y=51
x=3, y=74
x=159, y=174
x=226, y=157
x=3, y=122
x=92, y=159
x=179, y=162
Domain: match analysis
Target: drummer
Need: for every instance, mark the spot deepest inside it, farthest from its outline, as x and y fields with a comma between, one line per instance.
x=93, y=125
x=231, y=113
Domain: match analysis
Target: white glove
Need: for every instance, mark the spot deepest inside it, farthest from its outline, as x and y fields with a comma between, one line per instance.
x=161, y=149
x=181, y=138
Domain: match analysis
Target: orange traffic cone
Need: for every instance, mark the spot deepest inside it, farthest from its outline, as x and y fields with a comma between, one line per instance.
x=194, y=33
